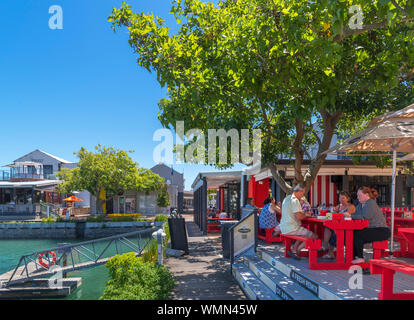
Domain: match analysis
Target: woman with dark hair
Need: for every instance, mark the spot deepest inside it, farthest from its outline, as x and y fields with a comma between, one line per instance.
x=374, y=192
x=377, y=229
x=267, y=217
x=329, y=240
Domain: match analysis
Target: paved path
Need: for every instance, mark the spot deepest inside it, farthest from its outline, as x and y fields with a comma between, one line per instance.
x=203, y=274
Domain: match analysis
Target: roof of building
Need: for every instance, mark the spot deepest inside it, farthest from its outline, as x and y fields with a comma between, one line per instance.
x=28, y=184
x=48, y=154
x=164, y=165
x=217, y=178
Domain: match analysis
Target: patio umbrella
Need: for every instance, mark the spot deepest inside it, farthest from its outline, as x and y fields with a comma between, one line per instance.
x=404, y=114
x=72, y=199
x=393, y=132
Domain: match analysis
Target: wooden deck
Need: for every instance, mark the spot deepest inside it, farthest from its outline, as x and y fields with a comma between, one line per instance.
x=203, y=274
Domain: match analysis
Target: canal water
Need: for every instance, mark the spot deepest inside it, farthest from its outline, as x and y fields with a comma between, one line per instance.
x=93, y=279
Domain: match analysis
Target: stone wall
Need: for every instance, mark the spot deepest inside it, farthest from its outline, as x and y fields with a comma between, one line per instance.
x=80, y=230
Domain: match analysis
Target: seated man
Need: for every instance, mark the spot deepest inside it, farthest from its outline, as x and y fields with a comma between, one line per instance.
x=292, y=215
x=249, y=203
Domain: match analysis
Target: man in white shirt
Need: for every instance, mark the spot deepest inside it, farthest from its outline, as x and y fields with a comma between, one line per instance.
x=292, y=215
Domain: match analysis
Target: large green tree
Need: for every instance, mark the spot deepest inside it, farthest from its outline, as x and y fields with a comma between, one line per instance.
x=112, y=170
x=299, y=70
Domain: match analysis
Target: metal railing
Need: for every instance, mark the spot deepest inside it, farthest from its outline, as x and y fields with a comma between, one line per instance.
x=17, y=210
x=72, y=257
x=7, y=176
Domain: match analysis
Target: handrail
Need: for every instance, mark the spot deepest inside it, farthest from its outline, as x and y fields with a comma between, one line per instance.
x=31, y=266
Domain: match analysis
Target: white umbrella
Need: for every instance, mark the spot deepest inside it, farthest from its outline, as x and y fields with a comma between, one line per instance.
x=393, y=132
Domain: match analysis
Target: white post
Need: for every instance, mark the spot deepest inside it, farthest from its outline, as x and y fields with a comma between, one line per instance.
x=159, y=236
x=394, y=170
x=48, y=211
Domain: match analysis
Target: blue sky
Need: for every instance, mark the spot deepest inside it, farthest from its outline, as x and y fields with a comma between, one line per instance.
x=77, y=87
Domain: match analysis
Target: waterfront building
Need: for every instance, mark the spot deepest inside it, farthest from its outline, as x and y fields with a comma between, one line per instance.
x=31, y=180
x=145, y=203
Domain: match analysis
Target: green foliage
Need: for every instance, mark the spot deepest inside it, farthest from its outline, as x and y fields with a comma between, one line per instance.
x=96, y=219
x=110, y=169
x=48, y=220
x=163, y=197
x=285, y=67
x=161, y=217
x=134, y=279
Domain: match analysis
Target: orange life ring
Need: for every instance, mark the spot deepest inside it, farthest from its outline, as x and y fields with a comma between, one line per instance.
x=44, y=264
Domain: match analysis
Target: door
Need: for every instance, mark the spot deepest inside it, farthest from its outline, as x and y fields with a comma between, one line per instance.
x=121, y=204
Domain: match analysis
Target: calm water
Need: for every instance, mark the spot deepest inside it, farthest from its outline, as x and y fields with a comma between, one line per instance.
x=93, y=279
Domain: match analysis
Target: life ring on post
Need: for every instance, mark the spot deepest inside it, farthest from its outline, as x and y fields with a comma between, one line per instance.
x=44, y=264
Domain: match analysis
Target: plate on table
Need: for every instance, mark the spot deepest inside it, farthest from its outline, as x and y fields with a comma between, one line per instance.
x=321, y=217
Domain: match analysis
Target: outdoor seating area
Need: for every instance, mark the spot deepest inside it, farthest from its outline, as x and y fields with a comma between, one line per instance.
x=214, y=224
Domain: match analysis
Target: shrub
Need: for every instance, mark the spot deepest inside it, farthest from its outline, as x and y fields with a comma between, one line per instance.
x=134, y=279
x=48, y=220
x=161, y=217
x=95, y=219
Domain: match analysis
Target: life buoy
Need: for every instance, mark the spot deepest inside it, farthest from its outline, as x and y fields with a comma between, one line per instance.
x=44, y=264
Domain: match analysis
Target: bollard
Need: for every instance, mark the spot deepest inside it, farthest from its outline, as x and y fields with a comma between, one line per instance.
x=159, y=236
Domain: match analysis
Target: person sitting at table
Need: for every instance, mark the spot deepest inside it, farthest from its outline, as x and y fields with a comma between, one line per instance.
x=306, y=207
x=292, y=215
x=329, y=237
x=223, y=215
x=267, y=217
x=377, y=229
x=249, y=203
x=374, y=192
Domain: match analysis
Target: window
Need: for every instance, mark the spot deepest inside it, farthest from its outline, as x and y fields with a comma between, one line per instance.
x=47, y=169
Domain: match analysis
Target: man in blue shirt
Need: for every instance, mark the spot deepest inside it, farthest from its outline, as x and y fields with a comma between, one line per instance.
x=249, y=204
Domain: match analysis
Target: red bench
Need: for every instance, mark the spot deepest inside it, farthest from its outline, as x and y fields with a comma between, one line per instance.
x=313, y=245
x=267, y=235
x=379, y=248
x=213, y=224
x=387, y=269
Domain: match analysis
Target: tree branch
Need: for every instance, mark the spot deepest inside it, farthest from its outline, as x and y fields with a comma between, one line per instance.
x=399, y=7
x=350, y=32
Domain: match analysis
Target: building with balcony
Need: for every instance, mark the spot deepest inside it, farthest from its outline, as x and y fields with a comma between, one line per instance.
x=31, y=180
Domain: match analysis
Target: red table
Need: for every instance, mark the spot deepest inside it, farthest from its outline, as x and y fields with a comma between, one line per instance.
x=213, y=224
x=408, y=234
x=344, y=230
x=400, y=223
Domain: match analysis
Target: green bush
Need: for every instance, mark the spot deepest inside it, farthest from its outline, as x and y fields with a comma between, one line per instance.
x=96, y=219
x=161, y=217
x=48, y=220
x=134, y=279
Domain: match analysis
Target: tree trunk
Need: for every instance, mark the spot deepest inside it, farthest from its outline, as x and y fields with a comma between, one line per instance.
x=98, y=202
x=330, y=122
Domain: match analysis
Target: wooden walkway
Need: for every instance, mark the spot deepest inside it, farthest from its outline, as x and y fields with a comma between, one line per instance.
x=203, y=274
